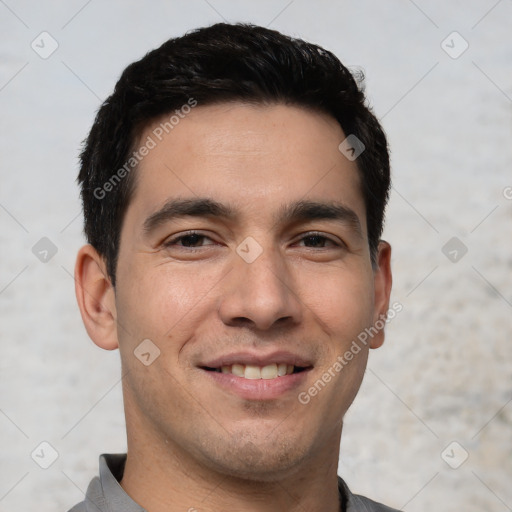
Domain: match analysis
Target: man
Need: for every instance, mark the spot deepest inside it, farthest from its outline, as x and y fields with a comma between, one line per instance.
x=234, y=188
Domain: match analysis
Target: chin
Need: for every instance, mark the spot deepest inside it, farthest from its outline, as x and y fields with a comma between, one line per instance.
x=266, y=460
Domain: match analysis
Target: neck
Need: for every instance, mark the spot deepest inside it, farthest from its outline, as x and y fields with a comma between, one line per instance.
x=160, y=476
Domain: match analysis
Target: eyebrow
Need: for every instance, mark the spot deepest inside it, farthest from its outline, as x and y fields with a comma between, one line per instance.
x=297, y=211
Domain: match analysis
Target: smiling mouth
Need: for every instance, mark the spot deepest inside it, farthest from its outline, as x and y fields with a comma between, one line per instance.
x=254, y=372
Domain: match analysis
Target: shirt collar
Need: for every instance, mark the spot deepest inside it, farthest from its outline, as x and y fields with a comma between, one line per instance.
x=111, y=473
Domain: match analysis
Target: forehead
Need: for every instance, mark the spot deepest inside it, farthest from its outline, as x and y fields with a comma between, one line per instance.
x=254, y=158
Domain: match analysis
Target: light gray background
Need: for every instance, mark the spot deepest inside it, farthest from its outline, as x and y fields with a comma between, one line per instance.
x=444, y=373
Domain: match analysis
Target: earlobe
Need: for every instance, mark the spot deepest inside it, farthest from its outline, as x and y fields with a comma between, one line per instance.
x=382, y=289
x=96, y=298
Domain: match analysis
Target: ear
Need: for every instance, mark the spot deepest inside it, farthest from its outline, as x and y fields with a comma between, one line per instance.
x=96, y=298
x=382, y=289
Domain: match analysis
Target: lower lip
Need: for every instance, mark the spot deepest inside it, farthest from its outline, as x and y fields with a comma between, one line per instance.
x=258, y=389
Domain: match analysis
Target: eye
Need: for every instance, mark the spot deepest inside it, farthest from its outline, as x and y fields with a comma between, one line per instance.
x=317, y=240
x=190, y=239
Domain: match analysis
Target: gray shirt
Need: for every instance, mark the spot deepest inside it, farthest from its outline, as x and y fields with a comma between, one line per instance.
x=105, y=494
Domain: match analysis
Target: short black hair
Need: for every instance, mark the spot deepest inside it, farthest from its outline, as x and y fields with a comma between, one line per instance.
x=221, y=63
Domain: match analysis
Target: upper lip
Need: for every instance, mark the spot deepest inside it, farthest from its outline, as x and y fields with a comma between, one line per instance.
x=252, y=358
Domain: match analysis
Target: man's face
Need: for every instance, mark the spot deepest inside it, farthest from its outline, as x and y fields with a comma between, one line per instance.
x=258, y=284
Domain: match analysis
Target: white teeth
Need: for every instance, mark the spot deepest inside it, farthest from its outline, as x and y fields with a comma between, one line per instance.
x=269, y=371
x=281, y=369
x=238, y=370
x=254, y=372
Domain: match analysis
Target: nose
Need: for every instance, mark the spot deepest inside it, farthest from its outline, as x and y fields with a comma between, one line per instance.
x=260, y=294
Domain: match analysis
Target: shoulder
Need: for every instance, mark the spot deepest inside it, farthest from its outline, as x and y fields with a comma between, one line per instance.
x=78, y=508
x=360, y=503
x=94, y=500
x=357, y=503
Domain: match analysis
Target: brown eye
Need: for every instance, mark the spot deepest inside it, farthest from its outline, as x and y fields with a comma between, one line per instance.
x=318, y=241
x=191, y=239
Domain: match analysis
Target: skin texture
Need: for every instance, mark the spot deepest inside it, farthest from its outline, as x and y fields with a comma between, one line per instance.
x=191, y=442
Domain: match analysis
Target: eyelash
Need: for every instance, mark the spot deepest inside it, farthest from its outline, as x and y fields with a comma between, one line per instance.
x=177, y=239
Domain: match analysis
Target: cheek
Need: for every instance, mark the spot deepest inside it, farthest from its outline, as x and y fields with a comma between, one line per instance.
x=341, y=299
x=159, y=302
